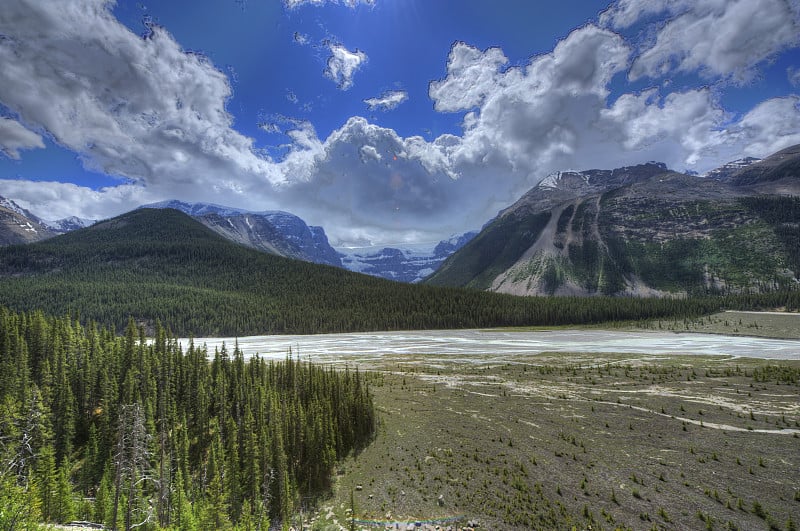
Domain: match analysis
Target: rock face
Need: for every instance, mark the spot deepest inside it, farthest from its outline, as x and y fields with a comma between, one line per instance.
x=18, y=226
x=406, y=264
x=642, y=230
x=274, y=232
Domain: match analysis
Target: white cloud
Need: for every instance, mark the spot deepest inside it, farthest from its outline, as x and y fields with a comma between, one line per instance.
x=471, y=76
x=269, y=127
x=540, y=114
x=343, y=64
x=56, y=200
x=769, y=127
x=625, y=13
x=139, y=108
x=14, y=136
x=144, y=110
x=387, y=101
x=718, y=38
x=794, y=76
x=369, y=153
x=374, y=186
x=684, y=123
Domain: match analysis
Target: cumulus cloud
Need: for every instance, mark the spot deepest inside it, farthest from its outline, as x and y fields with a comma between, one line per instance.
x=144, y=110
x=14, y=136
x=56, y=200
x=387, y=101
x=471, y=76
x=718, y=38
x=686, y=122
x=770, y=126
x=133, y=107
x=343, y=64
x=374, y=185
x=536, y=115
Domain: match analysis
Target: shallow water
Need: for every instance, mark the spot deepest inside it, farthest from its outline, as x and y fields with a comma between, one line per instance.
x=480, y=343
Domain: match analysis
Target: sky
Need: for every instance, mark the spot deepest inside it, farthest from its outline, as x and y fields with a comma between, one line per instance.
x=386, y=122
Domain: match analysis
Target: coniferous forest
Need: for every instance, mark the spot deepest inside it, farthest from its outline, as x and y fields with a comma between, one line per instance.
x=113, y=423
x=163, y=265
x=133, y=432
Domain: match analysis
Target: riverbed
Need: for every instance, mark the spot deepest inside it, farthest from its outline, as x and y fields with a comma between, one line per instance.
x=477, y=345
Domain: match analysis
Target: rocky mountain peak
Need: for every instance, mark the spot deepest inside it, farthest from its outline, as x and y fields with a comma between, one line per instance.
x=642, y=230
x=271, y=231
x=18, y=225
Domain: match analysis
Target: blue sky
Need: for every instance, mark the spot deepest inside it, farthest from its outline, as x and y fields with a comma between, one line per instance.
x=384, y=121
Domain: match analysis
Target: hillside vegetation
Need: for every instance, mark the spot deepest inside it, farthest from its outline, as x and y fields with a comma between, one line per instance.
x=163, y=265
x=142, y=432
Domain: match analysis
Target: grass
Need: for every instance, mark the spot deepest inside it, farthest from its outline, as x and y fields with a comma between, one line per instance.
x=754, y=324
x=759, y=324
x=555, y=441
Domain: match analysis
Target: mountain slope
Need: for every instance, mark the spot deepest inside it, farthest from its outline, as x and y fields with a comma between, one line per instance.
x=642, y=230
x=783, y=165
x=17, y=225
x=164, y=265
x=274, y=232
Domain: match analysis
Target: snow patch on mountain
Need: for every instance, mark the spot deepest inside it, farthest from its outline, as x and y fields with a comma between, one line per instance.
x=553, y=181
x=14, y=207
x=69, y=224
x=272, y=231
x=409, y=263
x=726, y=170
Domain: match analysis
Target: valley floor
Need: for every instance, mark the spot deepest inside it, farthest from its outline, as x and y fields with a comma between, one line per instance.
x=551, y=441
x=779, y=325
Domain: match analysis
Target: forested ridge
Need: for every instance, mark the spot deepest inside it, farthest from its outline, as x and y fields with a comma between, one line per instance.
x=124, y=430
x=162, y=265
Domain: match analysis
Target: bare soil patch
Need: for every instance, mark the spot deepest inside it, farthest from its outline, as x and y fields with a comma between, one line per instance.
x=554, y=441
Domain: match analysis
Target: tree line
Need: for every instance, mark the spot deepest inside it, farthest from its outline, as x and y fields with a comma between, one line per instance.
x=164, y=266
x=135, y=433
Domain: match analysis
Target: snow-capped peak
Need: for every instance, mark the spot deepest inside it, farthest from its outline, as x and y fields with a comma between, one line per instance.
x=552, y=181
x=730, y=167
x=200, y=209
x=11, y=205
x=69, y=224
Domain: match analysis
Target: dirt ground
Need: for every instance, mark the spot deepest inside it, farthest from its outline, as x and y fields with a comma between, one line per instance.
x=579, y=441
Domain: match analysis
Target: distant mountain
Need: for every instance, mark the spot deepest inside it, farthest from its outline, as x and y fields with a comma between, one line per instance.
x=18, y=225
x=408, y=264
x=726, y=171
x=163, y=265
x=642, y=230
x=274, y=232
x=61, y=226
x=778, y=172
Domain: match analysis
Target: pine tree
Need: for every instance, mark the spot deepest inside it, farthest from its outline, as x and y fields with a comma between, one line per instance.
x=63, y=503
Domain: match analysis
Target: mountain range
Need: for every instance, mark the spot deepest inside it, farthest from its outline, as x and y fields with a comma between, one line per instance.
x=638, y=230
x=642, y=230
x=274, y=232
x=18, y=225
x=404, y=264
x=161, y=265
